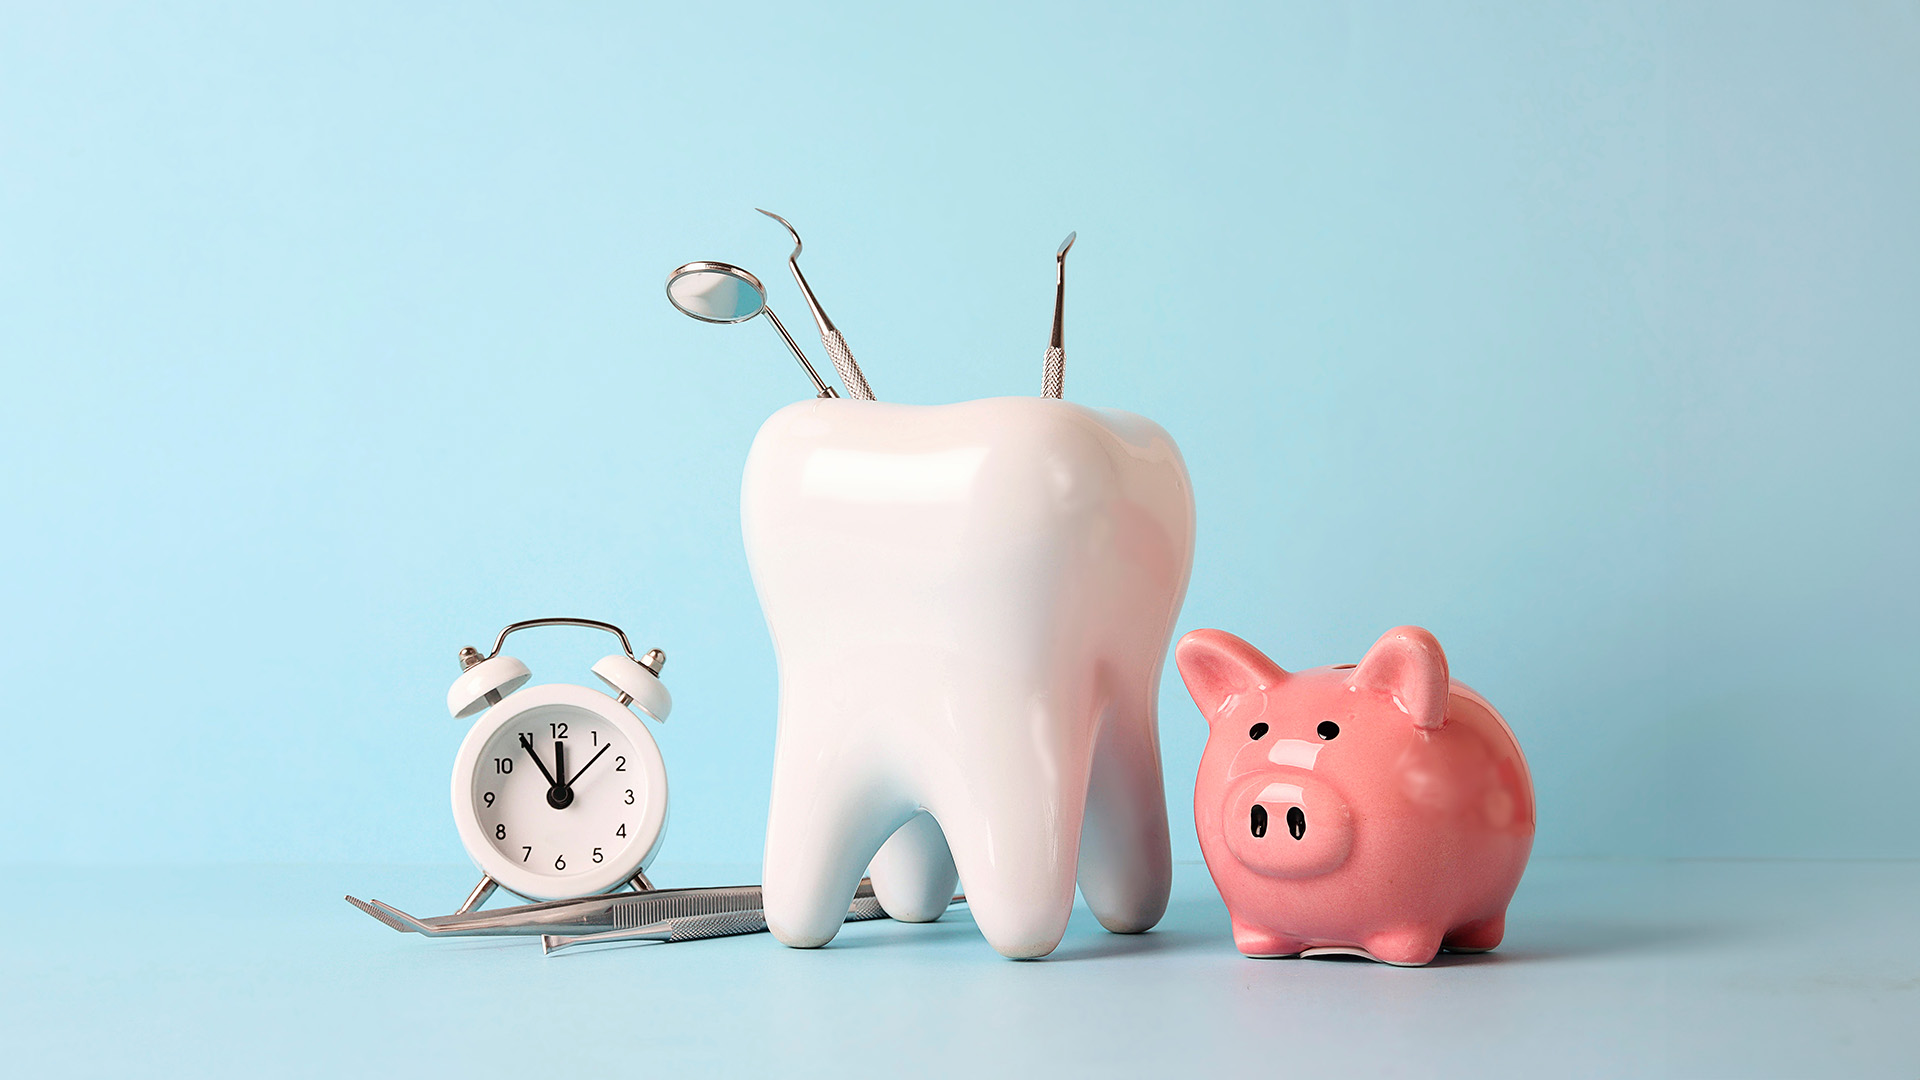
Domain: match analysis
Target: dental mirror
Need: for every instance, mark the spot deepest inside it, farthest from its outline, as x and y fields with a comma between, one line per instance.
x=718, y=292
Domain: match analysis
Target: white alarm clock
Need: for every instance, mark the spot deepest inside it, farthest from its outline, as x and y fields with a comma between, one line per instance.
x=559, y=791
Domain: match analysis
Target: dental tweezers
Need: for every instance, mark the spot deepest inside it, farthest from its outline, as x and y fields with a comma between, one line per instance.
x=696, y=927
x=584, y=915
x=589, y=915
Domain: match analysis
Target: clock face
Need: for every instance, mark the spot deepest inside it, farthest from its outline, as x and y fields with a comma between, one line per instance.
x=561, y=793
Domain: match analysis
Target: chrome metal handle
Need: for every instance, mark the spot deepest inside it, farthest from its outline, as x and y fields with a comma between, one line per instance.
x=843, y=362
x=592, y=624
x=690, y=928
x=1053, y=375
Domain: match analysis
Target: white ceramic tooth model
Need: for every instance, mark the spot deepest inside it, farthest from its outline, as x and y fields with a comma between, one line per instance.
x=971, y=605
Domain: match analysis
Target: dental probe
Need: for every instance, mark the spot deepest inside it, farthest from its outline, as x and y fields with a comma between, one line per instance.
x=1053, y=373
x=836, y=345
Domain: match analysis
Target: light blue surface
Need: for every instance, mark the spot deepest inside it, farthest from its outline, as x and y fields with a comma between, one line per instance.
x=333, y=339
x=1610, y=969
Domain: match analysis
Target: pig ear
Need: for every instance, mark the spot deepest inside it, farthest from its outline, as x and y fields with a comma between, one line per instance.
x=1217, y=666
x=1407, y=663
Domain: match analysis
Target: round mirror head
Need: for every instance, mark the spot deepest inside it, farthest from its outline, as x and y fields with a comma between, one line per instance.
x=716, y=292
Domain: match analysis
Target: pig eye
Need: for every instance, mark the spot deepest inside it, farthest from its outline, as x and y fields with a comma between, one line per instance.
x=1257, y=732
x=1328, y=729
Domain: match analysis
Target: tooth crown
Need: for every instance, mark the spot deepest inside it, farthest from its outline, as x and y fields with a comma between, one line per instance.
x=971, y=605
x=1383, y=807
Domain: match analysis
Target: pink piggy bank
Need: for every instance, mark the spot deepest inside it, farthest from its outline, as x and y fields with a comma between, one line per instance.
x=1380, y=807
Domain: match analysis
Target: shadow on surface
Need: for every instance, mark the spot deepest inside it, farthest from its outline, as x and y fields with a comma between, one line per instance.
x=1102, y=945
x=887, y=934
x=1190, y=925
x=1560, y=939
x=1183, y=929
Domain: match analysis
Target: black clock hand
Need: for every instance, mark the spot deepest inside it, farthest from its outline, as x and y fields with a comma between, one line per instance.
x=528, y=743
x=560, y=795
x=589, y=764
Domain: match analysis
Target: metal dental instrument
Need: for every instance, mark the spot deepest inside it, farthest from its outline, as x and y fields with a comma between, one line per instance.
x=481, y=892
x=587, y=914
x=836, y=345
x=1053, y=375
x=592, y=914
x=378, y=914
x=718, y=292
x=695, y=927
x=692, y=928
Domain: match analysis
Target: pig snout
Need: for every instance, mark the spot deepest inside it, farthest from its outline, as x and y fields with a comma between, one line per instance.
x=1286, y=824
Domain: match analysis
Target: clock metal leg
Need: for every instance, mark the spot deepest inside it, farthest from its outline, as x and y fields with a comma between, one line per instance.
x=639, y=882
x=479, y=895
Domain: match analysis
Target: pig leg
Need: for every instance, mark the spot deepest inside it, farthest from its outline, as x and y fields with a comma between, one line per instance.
x=1476, y=936
x=1264, y=944
x=1409, y=946
x=1126, y=860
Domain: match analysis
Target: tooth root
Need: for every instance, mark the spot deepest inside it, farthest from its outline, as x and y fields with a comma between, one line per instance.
x=913, y=875
x=823, y=826
x=1016, y=843
x=1126, y=860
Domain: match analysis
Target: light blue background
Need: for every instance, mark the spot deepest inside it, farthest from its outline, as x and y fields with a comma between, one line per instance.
x=332, y=337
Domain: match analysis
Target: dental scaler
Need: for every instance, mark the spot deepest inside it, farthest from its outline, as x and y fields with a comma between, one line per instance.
x=1053, y=375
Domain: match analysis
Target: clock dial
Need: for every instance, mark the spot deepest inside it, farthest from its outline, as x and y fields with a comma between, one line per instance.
x=559, y=792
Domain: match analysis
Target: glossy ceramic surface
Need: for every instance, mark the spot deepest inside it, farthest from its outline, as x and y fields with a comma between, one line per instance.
x=971, y=605
x=1380, y=808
